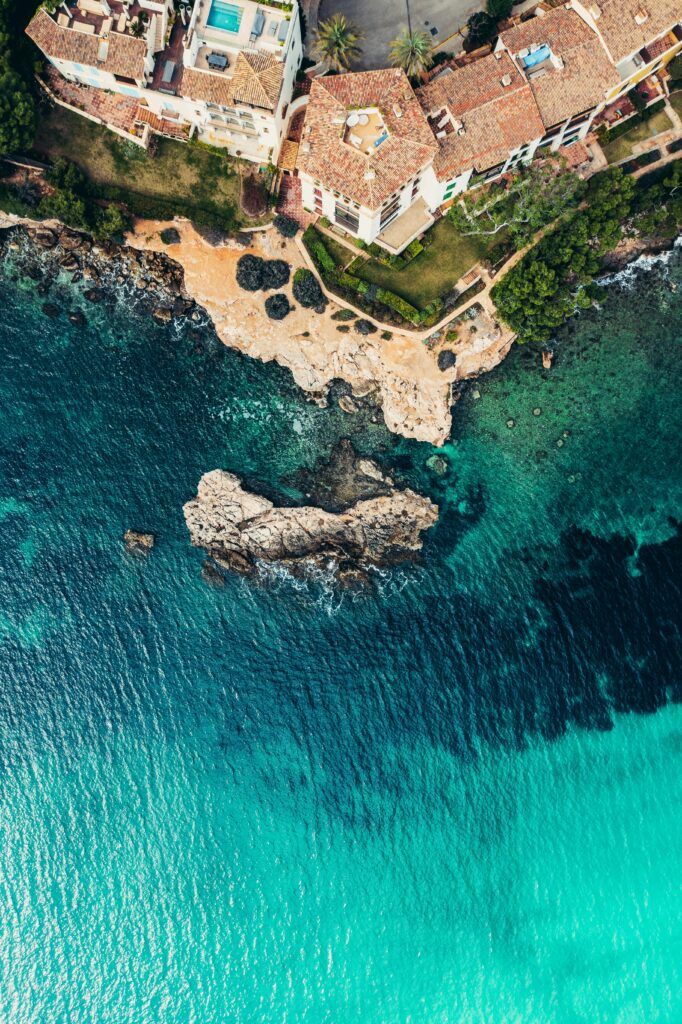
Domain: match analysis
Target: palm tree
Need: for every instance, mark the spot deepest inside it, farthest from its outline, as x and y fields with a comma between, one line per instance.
x=337, y=41
x=412, y=52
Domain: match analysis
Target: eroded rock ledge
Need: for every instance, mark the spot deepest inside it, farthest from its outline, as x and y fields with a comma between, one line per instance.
x=239, y=529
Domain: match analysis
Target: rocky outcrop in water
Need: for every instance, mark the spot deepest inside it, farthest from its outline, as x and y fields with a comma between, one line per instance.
x=239, y=529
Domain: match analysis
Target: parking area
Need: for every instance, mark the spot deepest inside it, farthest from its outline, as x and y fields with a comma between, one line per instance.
x=380, y=21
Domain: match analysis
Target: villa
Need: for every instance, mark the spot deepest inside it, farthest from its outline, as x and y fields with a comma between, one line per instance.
x=223, y=72
x=365, y=149
x=367, y=164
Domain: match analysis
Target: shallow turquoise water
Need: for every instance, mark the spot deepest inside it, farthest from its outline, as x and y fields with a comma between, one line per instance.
x=454, y=798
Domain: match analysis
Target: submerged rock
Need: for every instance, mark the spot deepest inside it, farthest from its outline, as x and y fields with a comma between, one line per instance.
x=239, y=529
x=138, y=542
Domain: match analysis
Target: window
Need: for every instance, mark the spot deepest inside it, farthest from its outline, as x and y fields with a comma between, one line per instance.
x=346, y=218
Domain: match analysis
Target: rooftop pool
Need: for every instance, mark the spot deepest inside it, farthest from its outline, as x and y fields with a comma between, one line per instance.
x=227, y=17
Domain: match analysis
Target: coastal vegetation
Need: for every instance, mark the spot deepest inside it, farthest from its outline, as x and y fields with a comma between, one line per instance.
x=306, y=289
x=194, y=181
x=255, y=274
x=277, y=306
x=521, y=205
x=17, y=104
x=337, y=42
x=556, y=277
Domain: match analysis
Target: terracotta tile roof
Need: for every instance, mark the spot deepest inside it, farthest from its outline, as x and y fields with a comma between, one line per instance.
x=495, y=118
x=618, y=25
x=368, y=180
x=125, y=56
x=257, y=80
x=287, y=155
x=207, y=86
x=587, y=72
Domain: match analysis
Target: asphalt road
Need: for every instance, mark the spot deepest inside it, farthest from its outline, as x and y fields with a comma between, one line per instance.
x=380, y=21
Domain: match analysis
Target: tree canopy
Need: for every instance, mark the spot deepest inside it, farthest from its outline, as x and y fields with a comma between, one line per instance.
x=520, y=206
x=337, y=42
x=17, y=106
x=550, y=283
x=412, y=52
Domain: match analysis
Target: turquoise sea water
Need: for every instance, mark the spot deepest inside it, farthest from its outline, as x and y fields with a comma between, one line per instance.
x=453, y=798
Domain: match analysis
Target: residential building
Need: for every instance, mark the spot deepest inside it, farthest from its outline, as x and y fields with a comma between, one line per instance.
x=485, y=121
x=365, y=148
x=566, y=67
x=225, y=71
x=640, y=36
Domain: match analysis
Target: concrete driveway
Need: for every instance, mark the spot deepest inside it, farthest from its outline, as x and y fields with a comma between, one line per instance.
x=380, y=21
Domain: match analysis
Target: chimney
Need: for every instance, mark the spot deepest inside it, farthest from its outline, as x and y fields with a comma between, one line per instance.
x=397, y=110
x=595, y=11
x=370, y=175
x=641, y=16
x=504, y=82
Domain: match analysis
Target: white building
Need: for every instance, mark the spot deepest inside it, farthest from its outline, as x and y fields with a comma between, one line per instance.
x=365, y=149
x=224, y=70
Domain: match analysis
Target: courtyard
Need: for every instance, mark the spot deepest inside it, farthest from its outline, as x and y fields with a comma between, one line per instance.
x=380, y=23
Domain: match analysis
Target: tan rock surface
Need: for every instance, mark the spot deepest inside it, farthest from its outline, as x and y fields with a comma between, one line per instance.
x=239, y=528
x=414, y=393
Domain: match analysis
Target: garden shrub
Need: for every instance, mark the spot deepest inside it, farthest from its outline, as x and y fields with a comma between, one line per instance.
x=275, y=274
x=250, y=270
x=318, y=250
x=364, y=327
x=287, y=226
x=170, y=236
x=307, y=290
x=344, y=314
x=399, y=305
x=343, y=328
x=386, y=335
x=277, y=306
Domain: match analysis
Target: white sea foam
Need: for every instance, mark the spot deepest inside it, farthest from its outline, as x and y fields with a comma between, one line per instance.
x=628, y=276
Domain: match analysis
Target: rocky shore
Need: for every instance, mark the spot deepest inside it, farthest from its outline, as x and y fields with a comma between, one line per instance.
x=150, y=282
x=240, y=529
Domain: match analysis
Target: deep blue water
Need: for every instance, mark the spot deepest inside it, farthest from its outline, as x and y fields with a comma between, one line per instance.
x=454, y=797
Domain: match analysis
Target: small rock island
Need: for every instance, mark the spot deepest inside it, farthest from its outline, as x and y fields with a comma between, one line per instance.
x=239, y=529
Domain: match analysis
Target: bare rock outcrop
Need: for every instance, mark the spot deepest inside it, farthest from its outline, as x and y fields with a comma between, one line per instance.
x=240, y=529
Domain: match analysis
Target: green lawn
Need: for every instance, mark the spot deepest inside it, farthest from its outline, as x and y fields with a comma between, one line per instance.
x=340, y=253
x=187, y=177
x=621, y=149
x=676, y=102
x=434, y=272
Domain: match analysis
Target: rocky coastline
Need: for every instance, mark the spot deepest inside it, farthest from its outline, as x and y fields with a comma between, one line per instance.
x=365, y=521
x=151, y=283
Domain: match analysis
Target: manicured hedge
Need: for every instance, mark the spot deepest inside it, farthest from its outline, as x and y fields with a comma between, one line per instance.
x=399, y=305
x=318, y=250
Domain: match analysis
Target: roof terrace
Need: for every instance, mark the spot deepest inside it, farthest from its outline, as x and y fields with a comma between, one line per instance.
x=365, y=130
x=242, y=25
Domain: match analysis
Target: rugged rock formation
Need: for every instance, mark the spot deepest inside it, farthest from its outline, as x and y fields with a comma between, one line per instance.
x=137, y=542
x=239, y=529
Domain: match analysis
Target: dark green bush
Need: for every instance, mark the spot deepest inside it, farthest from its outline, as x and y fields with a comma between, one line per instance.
x=307, y=290
x=277, y=306
x=170, y=236
x=365, y=327
x=275, y=274
x=287, y=226
x=250, y=271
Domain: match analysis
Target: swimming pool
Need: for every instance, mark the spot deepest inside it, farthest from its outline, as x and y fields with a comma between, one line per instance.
x=227, y=17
